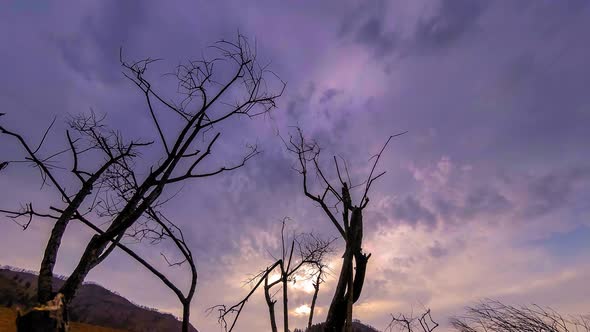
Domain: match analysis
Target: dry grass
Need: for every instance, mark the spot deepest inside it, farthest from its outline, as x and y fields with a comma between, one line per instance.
x=8, y=317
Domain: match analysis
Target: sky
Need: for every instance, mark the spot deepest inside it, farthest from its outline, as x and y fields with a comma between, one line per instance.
x=486, y=196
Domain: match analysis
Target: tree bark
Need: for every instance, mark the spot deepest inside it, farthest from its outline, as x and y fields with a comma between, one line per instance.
x=93, y=250
x=350, y=282
x=361, y=261
x=337, y=311
x=349, y=296
x=271, y=305
x=45, y=280
x=316, y=287
x=285, y=302
x=98, y=243
x=186, y=313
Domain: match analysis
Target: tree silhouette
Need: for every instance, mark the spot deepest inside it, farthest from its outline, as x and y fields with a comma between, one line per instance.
x=403, y=323
x=305, y=250
x=123, y=192
x=350, y=227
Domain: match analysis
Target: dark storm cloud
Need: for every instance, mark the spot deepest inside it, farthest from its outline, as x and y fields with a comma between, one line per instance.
x=556, y=190
x=372, y=33
x=376, y=219
x=298, y=103
x=329, y=95
x=519, y=103
x=501, y=86
x=541, y=123
x=365, y=25
x=93, y=49
x=478, y=202
x=485, y=200
x=447, y=209
x=534, y=196
x=454, y=19
x=413, y=212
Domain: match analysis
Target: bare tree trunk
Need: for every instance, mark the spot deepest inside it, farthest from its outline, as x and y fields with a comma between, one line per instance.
x=337, y=311
x=49, y=317
x=350, y=283
x=271, y=305
x=45, y=280
x=93, y=250
x=186, y=313
x=350, y=293
x=285, y=301
x=98, y=243
x=351, y=230
x=316, y=287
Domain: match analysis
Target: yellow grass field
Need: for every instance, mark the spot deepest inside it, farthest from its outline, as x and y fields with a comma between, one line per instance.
x=8, y=318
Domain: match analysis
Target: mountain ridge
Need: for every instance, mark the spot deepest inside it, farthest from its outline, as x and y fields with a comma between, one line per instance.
x=93, y=305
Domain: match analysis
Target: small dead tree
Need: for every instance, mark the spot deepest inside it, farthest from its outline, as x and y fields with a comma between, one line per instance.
x=493, y=316
x=123, y=193
x=312, y=251
x=320, y=275
x=350, y=228
x=403, y=323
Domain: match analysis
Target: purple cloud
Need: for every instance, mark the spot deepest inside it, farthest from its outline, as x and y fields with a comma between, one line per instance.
x=494, y=97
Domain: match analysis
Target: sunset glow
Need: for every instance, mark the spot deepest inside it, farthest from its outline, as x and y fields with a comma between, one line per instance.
x=485, y=196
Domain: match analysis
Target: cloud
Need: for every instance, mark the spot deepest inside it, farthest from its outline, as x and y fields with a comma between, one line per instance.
x=553, y=191
x=302, y=310
x=411, y=211
x=328, y=95
x=385, y=29
x=372, y=33
x=492, y=172
x=453, y=20
x=92, y=49
x=437, y=250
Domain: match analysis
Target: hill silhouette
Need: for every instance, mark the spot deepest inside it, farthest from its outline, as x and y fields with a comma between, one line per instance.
x=93, y=304
x=357, y=326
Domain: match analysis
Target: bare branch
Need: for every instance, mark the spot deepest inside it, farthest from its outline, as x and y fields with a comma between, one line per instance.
x=370, y=179
x=45, y=135
x=225, y=312
x=422, y=323
x=312, y=252
x=120, y=192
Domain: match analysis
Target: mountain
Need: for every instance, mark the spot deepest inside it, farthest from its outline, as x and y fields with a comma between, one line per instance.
x=93, y=305
x=357, y=326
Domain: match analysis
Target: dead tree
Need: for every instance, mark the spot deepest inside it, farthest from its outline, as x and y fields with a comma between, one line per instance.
x=121, y=192
x=403, y=323
x=320, y=275
x=311, y=253
x=350, y=228
x=493, y=316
